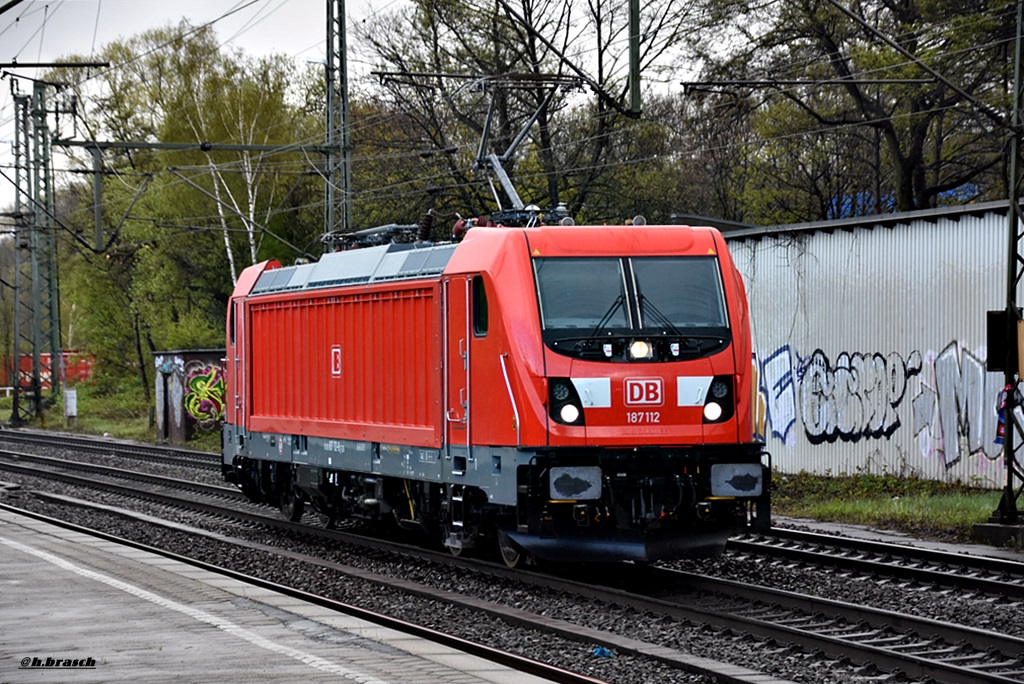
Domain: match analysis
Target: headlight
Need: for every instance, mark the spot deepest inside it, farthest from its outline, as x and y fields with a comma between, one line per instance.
x=640, y=349
x=564, y=402
x=712, y=411
x=560, y=391
x=720, y=404
x=569, y=413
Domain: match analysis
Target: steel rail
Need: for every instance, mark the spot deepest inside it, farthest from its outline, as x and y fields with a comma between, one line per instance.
x=903, y=638
x=989, y=563
x=154, y=452
x=803, y=630
x=994, y=576
x=719, y=671
x=107, y=471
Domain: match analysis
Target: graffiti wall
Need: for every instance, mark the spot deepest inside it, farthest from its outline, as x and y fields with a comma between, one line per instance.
x=870, y=344
x=189, y=393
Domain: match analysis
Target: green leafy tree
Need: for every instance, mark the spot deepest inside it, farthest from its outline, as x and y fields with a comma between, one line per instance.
x=180, y=224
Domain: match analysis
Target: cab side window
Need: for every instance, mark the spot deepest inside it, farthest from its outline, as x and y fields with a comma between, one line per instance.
x=479, y=307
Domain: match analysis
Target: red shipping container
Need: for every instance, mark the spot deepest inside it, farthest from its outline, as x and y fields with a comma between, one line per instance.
x=77, y=368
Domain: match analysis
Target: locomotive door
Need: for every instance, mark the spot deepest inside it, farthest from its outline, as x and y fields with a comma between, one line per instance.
x=235, y=413
x=457, y=360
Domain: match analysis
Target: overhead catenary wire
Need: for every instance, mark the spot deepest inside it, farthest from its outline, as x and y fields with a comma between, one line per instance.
x=371, y=157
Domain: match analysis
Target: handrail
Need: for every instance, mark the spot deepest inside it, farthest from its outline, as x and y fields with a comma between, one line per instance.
x=508, y=386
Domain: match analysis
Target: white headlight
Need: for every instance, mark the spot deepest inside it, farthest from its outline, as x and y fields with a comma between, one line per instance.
x=640, y=349
x=569, y=413
x=712, y=411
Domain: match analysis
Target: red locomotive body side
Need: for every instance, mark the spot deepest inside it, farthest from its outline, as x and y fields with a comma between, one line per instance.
x=359, y=364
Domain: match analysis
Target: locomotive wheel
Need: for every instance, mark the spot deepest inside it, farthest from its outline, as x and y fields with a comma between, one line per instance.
x=511, y=553
x=291, y=506
x=252, y=491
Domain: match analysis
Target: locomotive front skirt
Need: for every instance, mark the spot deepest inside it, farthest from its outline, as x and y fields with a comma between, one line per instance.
x=570, y=393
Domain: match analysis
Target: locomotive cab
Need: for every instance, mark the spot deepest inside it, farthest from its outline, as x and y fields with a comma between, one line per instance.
x=634, y=362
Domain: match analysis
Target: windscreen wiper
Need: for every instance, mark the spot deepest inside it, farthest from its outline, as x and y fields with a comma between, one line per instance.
x=689, y=339
x=646, y=305
x=589, y=339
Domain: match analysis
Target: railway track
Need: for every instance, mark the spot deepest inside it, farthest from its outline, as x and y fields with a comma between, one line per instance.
x=511, y=660
x=107, y=477
x=992, y=576
x=521, y=619
x=919, y=648
x=155, y=453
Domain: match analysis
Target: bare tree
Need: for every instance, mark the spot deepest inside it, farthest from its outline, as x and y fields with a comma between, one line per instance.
x=924, y=77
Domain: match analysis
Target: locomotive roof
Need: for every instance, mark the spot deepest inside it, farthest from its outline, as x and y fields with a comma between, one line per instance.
x=399, y=261
x=409, y=261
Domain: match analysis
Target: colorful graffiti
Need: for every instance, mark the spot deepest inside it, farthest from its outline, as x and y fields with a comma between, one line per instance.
x=204, y=393
x=859, y=396
x=195, y=391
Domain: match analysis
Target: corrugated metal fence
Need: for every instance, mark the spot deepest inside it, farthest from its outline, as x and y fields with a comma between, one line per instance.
x=870, y=342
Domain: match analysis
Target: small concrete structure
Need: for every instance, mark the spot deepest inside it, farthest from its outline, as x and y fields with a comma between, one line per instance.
x=189, y=393
x=999, y=534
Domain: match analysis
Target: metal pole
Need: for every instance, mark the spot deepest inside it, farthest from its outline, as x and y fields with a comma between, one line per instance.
x=1007, y=512
x=330, y=141
x=634, y=56
x=97, y=194
x=48, y=256
x=20, y=172
x=35, y=240
x=346, y=141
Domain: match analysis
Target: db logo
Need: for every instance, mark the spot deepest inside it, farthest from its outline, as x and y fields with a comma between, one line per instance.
x=643, y=392
x=336, y=361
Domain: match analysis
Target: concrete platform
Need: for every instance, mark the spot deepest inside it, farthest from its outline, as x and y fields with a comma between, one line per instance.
x=74, y=608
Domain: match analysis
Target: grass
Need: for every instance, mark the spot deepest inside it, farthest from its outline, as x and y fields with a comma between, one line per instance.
x=924, y=508
x=121, y=412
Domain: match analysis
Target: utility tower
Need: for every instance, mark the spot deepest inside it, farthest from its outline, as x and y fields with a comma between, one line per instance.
x=37, y=348
x=1008, y=512
x=339, y=163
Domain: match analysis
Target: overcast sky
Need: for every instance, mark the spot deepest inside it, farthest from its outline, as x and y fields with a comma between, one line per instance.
x=45, y=30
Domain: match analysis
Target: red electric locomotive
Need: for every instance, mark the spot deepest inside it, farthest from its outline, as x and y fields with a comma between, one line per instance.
x=576, y=393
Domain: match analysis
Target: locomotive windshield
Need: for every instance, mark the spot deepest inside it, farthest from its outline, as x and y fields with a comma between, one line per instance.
x=679, y=291
x=594, y=306
x=581, y=293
